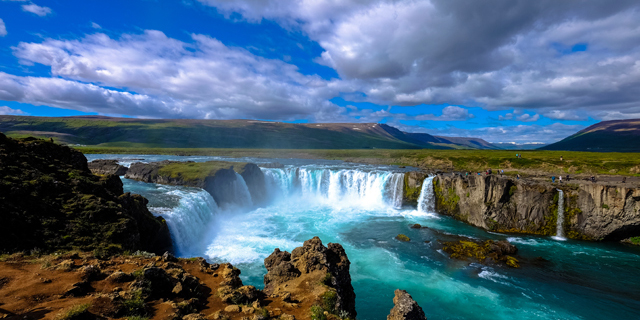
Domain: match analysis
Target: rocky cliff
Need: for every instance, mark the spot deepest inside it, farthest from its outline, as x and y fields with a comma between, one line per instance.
x=103, y=167
x=503, y=204
x=412, y=187
x=219, y=178
x=49, y=200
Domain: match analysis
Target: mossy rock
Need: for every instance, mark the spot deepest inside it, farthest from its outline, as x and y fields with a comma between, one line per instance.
x=403, y=238
x=484, y=252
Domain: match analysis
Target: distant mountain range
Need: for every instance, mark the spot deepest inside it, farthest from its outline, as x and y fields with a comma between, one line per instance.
x=182, y=133
x=606, y=136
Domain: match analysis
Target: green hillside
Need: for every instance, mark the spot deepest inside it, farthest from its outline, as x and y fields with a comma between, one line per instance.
x=184, y=133
x=606, y=136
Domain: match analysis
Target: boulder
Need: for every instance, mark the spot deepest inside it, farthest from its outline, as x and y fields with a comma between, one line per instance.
x=313, y=264
x=107, y=167
x=405, y=308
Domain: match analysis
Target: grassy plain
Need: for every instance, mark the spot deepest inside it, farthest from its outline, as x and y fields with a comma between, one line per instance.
x=532, y=162
x=198, y=170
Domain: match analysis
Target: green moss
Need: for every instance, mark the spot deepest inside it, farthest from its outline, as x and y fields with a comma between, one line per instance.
x=550, y=221
x=76, y=312
x=329, y=300
x=604, y=206
x=512, y=262
x=635, y=241
x=513, y=190
x=317, y=313
x=326, y=280
x=189, y=171
x=135, y=305
x=403, y=238
x=409, y=194
x=464, y=249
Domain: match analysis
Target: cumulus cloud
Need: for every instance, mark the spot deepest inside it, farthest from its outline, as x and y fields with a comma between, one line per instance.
x=201, y=79
x=8, y=111
x=36, y=9
x=518, y=134
x=3, y=29
x=407, y=52
x=528, y=118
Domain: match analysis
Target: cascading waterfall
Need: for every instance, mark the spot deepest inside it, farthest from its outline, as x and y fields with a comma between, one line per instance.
x=242, y=196
x=188, y=222
x=560, y=220
x=344, y=187
x=426, y=201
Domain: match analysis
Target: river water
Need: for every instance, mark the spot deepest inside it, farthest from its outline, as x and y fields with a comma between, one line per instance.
x=357, y=206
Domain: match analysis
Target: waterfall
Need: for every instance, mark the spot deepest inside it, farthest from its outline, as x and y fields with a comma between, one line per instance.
x=241, y=194
x=188, y=221
x=337, y=187
x=426, y=201
x=560, y=220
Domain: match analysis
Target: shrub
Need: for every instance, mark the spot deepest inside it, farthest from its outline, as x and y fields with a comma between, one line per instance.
x=317, y=313
x=76, y=312
x=135, y=305
x=329, y=300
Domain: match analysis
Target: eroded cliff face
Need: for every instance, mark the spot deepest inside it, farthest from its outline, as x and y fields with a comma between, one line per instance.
x=149, y=172
x=502, y=204
x=412, y=187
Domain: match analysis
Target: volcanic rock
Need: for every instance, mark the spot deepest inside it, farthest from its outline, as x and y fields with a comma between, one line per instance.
x=405, y=308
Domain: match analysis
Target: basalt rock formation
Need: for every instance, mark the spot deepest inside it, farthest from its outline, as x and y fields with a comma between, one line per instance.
x=218, y=178
x=502, y=204
x=104, y=167
x=405, y=308
x=312, y=273
x=412, y=186
x=49, y=200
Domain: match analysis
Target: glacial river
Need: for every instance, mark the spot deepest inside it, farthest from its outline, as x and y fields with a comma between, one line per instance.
x=358, y=206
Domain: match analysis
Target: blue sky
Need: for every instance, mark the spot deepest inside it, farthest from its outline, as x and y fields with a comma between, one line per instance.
x=459, y=68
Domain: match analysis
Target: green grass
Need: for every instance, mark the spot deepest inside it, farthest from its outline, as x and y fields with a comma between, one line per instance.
x=460, y=160
x=197, y=170
x=76, y=312
x=635, y=240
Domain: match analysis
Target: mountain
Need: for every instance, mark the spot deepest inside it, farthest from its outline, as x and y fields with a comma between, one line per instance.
x=606, y=136
x=473, y=143
x=186, y=133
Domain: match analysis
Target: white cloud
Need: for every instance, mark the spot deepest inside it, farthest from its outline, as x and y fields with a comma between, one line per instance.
x=8, y=111
x=95, y=25
x=36, y=9
x=518, y=134
x=564, y=115
x=406, y=52
x=3, y=29
x=528, y=118
x=200, y=79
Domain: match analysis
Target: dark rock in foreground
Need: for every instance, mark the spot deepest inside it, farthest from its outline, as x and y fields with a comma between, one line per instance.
x=49, y=200
x=104, y=167
x=405, y=308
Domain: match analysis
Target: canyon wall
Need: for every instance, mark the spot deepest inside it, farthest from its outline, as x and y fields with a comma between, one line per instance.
x=503, y=204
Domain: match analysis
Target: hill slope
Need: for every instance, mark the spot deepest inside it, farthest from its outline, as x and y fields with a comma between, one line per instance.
x=606, y=136
x=183, y=133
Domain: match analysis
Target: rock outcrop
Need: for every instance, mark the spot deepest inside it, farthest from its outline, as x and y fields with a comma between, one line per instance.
x=225, y=181
x=502, y=204
x=412, y=186
x=104, y=167
x=314, y=273
x=405, y=308
x=49, y=200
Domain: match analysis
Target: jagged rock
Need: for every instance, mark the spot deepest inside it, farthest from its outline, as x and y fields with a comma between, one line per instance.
x=255, y=180
x=105, y=167
x=119, y=277
x=90, y=273
x=194, y=316
x=326, y=266
x=78, y=289
x=168, y=257
x=405, y=308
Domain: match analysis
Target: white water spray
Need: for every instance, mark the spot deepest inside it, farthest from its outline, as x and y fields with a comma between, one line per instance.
x=426, y=201
x=188, y=222
x=337, y=187
x=560, y=220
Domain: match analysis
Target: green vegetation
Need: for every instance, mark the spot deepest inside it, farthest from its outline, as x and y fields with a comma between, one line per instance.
x=532, y=162
x=317, y=313
x=513, y=190
x=76, y=312
x=403, y=238
x=329, y=300
x=480, y=251
x=635, y=240
x=134, y=305
x=197, y=170
x=551, y=220
x=605, y=206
